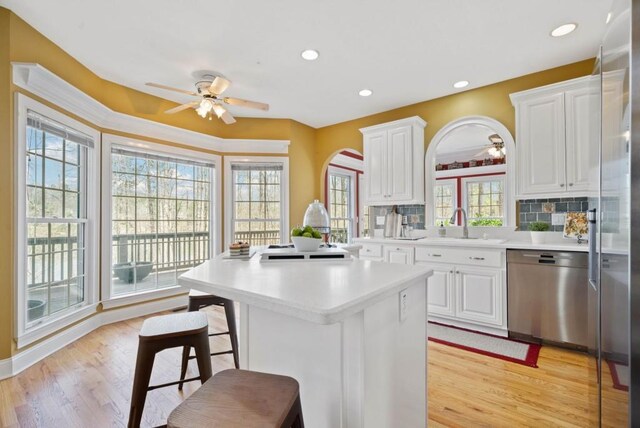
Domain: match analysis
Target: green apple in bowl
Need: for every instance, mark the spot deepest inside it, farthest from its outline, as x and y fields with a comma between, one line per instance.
x=306, y=239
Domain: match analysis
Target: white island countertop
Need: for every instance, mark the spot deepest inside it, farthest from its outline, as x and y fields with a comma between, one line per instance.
x=323, y=292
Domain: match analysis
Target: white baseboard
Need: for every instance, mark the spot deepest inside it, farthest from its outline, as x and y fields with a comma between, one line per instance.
x=25, y=359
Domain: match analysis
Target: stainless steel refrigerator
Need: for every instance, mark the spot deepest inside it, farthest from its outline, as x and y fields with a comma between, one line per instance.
x=614, y=273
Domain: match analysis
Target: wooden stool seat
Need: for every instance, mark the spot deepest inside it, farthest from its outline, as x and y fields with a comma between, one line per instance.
x=234, y=398
x=190, y=329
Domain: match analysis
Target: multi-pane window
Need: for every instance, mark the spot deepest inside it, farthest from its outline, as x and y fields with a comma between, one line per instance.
x=485, y=201
x=160, y=218
x=340, y=206
x=56, y=216
x=257, y=203
x=445, y=201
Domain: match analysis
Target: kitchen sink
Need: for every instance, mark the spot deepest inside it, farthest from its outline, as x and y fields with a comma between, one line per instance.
x=460, y=240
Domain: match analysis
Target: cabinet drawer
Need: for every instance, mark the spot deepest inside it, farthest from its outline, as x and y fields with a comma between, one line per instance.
x=463, y=256
x=371, y=250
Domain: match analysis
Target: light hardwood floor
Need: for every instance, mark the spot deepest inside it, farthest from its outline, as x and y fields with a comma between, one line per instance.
x=88, y=384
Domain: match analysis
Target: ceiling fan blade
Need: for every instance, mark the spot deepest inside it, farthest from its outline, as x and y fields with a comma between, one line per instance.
x=219, y=85
x=169, y=88
x=183, y=107
x=227, y=118
x=246, y=103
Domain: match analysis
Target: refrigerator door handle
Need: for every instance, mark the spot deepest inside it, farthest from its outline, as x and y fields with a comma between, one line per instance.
x=593, y=254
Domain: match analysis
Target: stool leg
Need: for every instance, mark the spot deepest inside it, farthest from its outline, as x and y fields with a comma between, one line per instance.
x=294, y=418
x=142, y=375
x=185, y=361
x=203, y=356
x=233, y=332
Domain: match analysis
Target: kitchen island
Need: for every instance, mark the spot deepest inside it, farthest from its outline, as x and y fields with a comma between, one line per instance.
x=353, y=333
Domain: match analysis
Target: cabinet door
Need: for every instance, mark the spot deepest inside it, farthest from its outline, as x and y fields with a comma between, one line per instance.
x=400, y=255
x=440, y=291
x=400, y=168
x=581, y=136
x=375, y=167
x=541, y=145
x=479, y=295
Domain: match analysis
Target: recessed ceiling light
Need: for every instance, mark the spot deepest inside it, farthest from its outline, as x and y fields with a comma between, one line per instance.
x=365, y=92
x=461, y=84
x=608, y=18
x=563, y=30
x=310, y=54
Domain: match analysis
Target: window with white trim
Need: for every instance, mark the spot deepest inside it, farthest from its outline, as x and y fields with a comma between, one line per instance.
x=161, y=218
x=257, y=207
x=484, y=200
x=445, y=198
x=56, y=214
x=341, y=204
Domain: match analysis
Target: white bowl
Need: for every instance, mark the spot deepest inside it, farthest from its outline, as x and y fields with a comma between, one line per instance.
x=306, y=244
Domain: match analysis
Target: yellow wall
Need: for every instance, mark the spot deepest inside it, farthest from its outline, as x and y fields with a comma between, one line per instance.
x=6, y=192
x=492, y=101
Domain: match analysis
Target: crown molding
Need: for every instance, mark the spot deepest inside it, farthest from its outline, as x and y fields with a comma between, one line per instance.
x=413, y=120
x=43, y=83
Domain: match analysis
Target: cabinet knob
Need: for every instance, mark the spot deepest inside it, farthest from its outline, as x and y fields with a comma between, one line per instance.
x=434, y=255
x=450, y=271
x=570, y=184
x=368, y=250
x=476, y=258
x=562, y=185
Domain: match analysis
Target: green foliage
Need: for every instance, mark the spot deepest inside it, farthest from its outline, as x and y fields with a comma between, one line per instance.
x=496, y=222
x=538, y=226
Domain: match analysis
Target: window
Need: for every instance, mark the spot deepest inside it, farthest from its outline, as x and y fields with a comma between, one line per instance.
x=161, y=218
x=56, y=212
x=445, y=193
x=484, y=200
x=341, y=204
x=364, y=210
x=257, y=198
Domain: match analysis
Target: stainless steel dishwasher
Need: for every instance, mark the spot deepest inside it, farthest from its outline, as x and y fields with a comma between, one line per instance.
x=548, y=295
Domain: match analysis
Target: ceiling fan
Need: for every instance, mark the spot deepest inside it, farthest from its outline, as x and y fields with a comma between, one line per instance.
x=495, y=149
x=210, y=91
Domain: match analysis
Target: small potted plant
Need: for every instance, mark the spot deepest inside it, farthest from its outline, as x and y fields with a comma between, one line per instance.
x=537, y=229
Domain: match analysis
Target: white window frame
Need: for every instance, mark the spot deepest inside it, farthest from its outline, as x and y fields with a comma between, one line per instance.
x=332, y=170
x=108, y=141
x=229, y=192
x=361, y=206
x=66, y=317
x=482, y=179
x=449, y=181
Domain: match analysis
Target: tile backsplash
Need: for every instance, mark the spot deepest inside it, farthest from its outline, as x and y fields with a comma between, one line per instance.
x=544, y=209
x=415, y=215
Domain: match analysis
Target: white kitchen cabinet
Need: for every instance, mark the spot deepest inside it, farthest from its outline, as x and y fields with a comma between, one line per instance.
x=468, y=287
x=555, y=136
x=398, y=254
x=394, y=162
x=479, y=295
x=440, y=291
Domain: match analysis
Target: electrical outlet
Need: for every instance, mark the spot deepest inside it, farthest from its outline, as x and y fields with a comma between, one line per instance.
x=404, y=297
x=558, y=219
x=380, y=220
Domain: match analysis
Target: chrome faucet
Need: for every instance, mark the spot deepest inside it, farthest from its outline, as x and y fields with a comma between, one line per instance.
x=465, y=229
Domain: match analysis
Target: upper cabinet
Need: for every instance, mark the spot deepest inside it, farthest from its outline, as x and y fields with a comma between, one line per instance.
x=394, y=162
x=556, y=138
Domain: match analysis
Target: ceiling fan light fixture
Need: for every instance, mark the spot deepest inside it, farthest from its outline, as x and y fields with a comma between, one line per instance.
x=564, y=29
x=310, y=54
x=218, y=110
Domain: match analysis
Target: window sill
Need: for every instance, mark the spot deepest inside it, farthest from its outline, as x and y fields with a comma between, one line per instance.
x=132, y=299
x=54, y=325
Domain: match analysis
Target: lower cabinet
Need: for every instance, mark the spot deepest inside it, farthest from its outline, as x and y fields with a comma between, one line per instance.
x=440, y=292
x=398, y=254
x=480, y=296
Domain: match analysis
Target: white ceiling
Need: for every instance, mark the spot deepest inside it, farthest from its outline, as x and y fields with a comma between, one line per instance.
x=406, y=52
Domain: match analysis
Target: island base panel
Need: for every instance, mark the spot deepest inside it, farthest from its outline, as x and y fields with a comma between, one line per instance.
x=368, y=370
